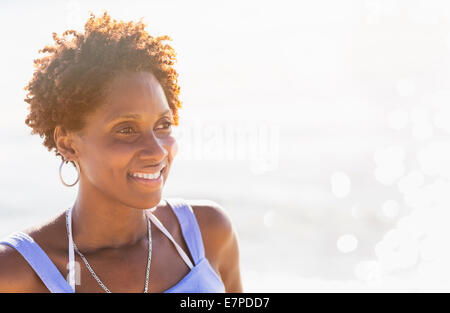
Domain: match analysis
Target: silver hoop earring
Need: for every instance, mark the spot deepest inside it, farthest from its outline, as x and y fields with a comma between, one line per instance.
x=60, y=174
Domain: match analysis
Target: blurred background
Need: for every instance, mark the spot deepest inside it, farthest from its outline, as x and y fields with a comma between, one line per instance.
x=321, y=127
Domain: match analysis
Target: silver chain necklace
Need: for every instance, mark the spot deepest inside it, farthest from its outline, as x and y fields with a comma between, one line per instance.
x=147, y=274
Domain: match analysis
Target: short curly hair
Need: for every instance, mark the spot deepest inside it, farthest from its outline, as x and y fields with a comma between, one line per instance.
x=72, y=80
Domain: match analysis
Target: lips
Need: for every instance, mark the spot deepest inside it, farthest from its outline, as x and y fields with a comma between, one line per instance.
x=151, y=170
x=147, y=177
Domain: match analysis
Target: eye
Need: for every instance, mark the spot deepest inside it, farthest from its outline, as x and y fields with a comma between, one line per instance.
x=126, y=131
x=166, y=124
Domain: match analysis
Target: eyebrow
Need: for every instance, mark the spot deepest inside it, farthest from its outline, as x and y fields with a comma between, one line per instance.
x=133, y=116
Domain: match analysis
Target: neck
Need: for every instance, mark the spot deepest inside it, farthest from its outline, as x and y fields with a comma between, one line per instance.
x=100, y=222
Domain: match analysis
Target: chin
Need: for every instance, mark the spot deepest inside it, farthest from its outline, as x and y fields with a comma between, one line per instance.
x=150, y=201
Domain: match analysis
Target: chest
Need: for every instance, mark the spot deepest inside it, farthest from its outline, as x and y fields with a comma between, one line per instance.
x=124, y=270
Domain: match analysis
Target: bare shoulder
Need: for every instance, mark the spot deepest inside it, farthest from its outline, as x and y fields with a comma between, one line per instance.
x=220, y=241
x=16, y=275
x=215, y=225
x=212, y=217
x=13, y=277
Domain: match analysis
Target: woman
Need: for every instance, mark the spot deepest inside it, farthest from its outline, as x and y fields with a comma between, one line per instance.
x=106, y=101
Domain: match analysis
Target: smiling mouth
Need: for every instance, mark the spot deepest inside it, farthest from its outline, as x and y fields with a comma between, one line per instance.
x=147, y=177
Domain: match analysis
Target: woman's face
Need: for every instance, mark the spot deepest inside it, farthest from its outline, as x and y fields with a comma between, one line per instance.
x=129, y=136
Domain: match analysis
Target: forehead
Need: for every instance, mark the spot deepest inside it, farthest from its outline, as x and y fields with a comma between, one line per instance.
x=134, y=92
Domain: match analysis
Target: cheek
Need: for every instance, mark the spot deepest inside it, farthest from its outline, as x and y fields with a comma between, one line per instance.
x=173, y=149
x=171, y=145
x=108, y=162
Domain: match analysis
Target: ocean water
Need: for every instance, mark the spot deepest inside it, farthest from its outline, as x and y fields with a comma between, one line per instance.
x=321, y=128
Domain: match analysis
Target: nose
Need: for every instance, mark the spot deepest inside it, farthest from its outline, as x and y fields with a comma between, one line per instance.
x=153, y=148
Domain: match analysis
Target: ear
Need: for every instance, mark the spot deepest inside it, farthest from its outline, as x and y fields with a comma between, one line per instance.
x=65, y=143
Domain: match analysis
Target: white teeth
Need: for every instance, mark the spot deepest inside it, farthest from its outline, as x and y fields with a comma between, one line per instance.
x=147, y=175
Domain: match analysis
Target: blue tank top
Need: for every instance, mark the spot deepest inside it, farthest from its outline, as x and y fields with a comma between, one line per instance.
x=200, y=279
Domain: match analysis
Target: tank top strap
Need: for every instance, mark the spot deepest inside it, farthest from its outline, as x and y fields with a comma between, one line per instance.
x=189, y=227
x=38, y=260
